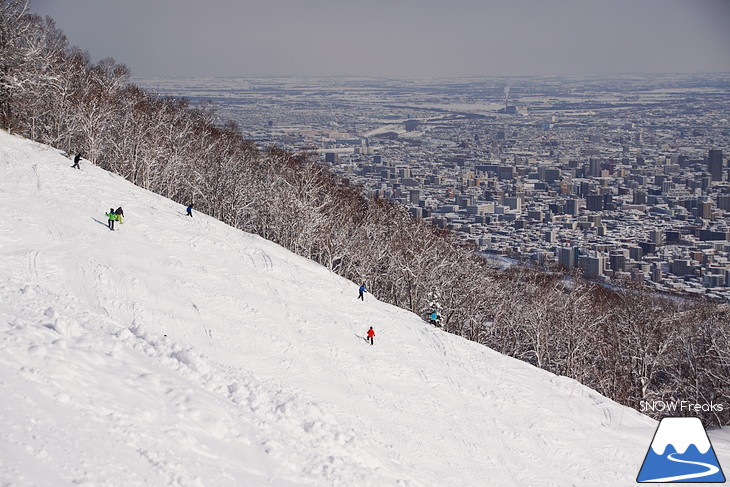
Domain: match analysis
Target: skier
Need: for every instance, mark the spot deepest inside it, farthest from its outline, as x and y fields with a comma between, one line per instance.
x=112, y=218
x=362, y=292
x=371, y=335
x=77, y=159
x=434, y=317
x=120, y=214
x=189, y=209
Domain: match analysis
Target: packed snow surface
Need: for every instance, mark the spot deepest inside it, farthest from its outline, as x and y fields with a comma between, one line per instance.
x=178, y=351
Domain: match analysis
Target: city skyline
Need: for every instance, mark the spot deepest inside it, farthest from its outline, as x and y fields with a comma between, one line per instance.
x=621, y=178
x=406, y=39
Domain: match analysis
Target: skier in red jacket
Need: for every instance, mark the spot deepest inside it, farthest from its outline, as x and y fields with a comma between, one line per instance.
x=371, y=335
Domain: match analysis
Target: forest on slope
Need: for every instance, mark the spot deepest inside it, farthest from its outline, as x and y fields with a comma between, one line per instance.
x=629, y=344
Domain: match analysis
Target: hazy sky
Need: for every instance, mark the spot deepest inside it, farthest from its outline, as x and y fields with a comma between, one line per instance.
x=398, y=38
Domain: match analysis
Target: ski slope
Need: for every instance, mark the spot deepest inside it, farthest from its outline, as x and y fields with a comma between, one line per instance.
x=178, y=351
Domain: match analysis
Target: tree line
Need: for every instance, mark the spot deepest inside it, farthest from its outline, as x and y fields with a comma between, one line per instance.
x=629, y=344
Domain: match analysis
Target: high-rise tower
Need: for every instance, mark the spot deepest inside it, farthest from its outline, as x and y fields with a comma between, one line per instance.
x=714, y=164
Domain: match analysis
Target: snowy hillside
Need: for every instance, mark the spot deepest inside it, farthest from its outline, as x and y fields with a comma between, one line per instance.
x=178, y=351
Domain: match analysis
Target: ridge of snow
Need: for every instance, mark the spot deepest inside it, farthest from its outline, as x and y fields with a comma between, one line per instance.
x=181, y=351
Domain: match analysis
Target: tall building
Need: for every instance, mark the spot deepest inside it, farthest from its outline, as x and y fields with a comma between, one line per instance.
x=514, y=202
x=415, y=196
x=636, y=252
x=593, y=265
x=656, y=272
x=714, y=164
x=594, y=167
x=568, y=257
x=704, y=210
x=594, y=202
x=639, y=197
x=682, y=267
x=506, y=172
x=617, y=260
x=549, y=174
x=572, y=206
x=723, y=202
x=656, y=237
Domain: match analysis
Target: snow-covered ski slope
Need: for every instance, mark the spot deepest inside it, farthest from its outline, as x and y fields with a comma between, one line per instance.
x=178, y=351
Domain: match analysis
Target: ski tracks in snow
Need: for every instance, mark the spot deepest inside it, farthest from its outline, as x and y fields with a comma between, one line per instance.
x=206, y=329
x=259, y=380
x=150, y=399
x=259, y=259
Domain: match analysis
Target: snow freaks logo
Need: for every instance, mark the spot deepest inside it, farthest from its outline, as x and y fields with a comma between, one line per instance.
x=681, y=452
x=680, y=406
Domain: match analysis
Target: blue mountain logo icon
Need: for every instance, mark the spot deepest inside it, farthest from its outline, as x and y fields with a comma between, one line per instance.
x=681, y=452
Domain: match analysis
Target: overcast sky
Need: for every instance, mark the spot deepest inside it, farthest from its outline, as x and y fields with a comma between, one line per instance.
x=398, y=38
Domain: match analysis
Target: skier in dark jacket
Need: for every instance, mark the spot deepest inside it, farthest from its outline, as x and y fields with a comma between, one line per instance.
x=362, y=291
x=189, y=209
x=120, y=214
x=77, y=159
x=112, y=218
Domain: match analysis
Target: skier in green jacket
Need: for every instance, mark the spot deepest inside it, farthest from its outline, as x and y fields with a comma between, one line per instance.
x=112, y=218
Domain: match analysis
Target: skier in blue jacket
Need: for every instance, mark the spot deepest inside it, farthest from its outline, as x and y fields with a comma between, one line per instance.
x=362, y=292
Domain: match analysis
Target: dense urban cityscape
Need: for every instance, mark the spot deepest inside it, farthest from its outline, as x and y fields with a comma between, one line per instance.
x=621, y=178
